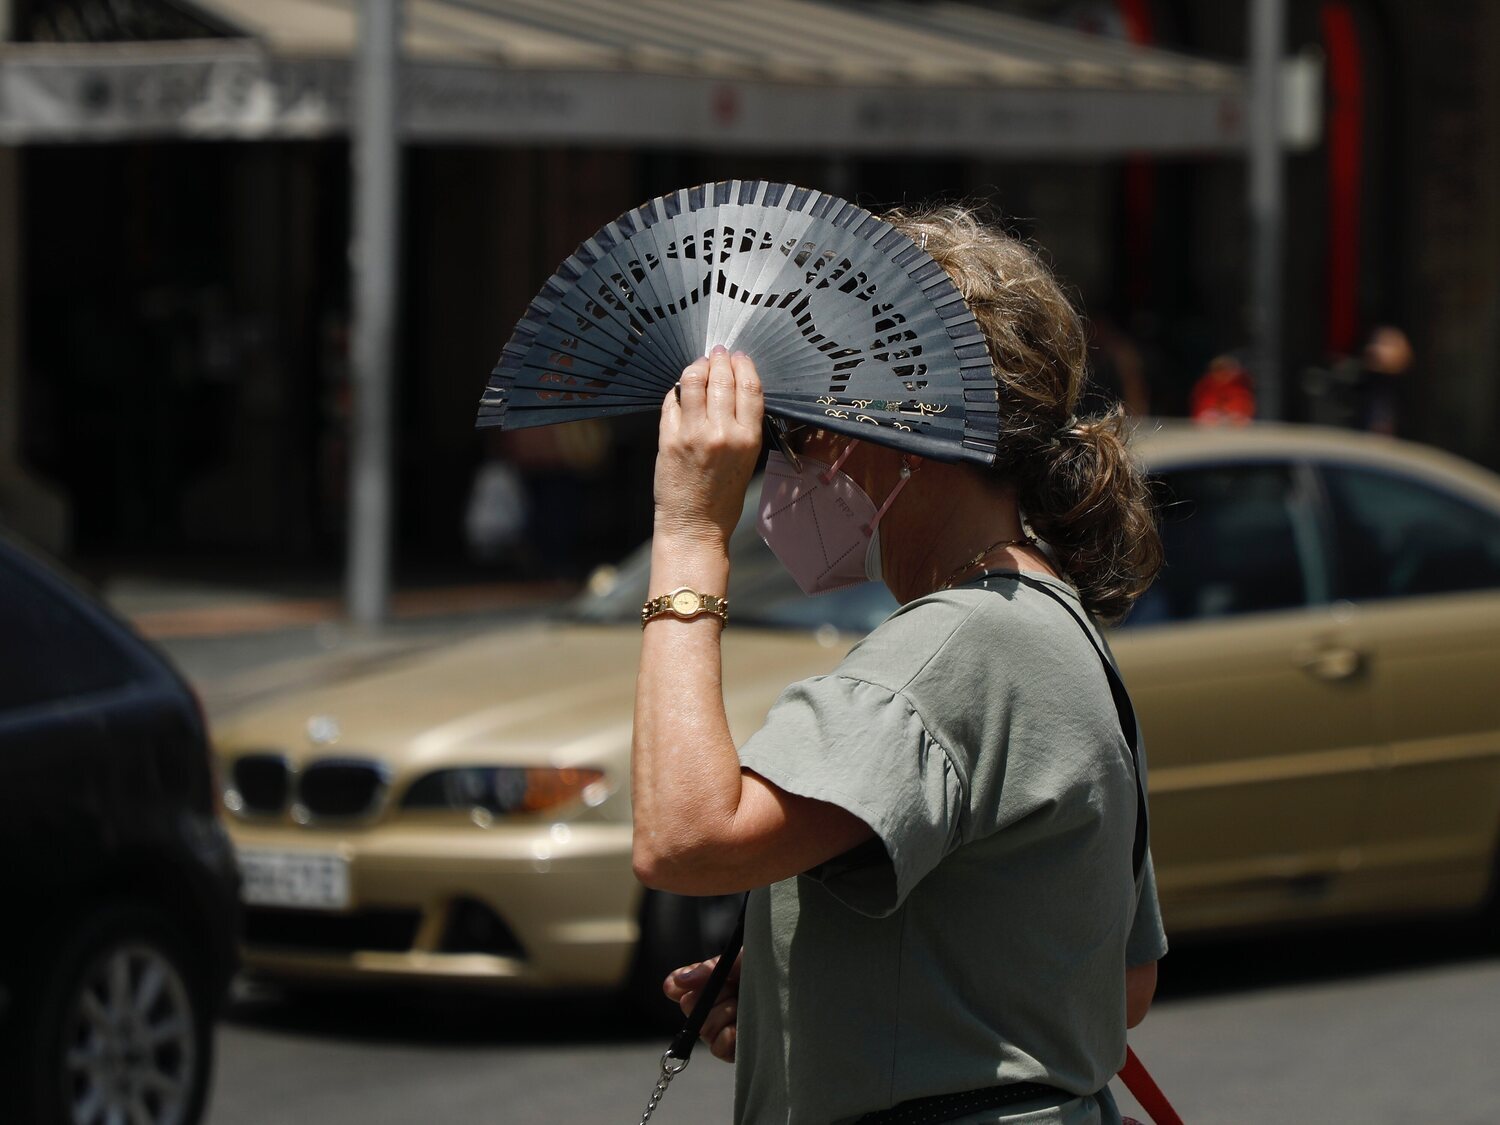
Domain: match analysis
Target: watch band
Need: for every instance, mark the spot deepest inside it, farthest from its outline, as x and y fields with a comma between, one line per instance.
x=684, y=603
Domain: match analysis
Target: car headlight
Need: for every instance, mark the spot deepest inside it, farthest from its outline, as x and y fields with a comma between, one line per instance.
x=504, y=789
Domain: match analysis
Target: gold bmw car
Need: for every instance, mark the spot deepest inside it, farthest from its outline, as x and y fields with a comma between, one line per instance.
x=1316, y=673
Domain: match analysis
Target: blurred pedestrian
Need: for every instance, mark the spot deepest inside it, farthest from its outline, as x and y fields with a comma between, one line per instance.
x=1360, y=391
x=942, y=833
x=1224, y=395
x=1386, y=358
x=496, y=514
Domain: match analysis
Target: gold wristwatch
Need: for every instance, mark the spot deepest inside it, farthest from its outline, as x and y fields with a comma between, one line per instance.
x=685, y=603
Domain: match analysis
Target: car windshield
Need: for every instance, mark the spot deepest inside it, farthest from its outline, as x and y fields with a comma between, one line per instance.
x=763, y=593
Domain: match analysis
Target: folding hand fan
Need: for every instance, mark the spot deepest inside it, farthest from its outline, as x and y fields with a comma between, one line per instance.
x=852, y=326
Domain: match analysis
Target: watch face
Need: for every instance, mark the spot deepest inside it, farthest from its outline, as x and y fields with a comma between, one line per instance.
x=685, y=601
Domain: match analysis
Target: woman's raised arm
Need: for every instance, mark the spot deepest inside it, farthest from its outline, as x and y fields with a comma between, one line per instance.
x=702, y=825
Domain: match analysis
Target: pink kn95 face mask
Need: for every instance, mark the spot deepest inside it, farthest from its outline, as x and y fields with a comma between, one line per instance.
x=821, y=525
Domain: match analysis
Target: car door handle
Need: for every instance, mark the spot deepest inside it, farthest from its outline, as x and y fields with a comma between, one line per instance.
x=1332, y=662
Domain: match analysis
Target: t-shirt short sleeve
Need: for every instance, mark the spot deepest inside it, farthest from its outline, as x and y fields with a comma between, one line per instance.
x=1148, y=939
x=864, y=748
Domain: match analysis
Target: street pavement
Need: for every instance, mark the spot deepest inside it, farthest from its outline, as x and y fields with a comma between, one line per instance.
x=376, y=1059
x=1378, y=1025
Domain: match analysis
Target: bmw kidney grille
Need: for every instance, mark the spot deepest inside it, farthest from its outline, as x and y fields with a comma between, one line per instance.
x=341, y=787
x=327, y=788
x=263, y=783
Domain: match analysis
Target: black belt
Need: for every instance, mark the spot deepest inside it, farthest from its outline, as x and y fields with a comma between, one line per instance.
x=947, y=1107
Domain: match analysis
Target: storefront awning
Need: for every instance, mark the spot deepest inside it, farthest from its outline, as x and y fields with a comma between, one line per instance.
x=783, y=75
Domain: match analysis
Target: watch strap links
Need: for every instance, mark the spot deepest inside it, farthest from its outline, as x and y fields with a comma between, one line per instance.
x=666, y=604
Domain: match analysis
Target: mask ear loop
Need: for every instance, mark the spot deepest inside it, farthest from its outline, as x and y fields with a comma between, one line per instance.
x=827, y=478
x=891, y=498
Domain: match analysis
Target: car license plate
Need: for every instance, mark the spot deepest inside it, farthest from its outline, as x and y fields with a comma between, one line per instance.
x=301, y=879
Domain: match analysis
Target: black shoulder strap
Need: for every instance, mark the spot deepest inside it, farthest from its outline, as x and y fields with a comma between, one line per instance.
x=1126, y=712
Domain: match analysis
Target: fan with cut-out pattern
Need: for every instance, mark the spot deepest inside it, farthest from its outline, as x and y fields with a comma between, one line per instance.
x=852, y=326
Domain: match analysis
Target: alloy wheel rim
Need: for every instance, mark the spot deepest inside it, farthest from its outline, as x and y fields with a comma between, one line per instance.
x=130, y=1041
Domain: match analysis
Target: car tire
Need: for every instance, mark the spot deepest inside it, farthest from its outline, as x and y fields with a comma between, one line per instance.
x=676, y=930
x=123, y=1013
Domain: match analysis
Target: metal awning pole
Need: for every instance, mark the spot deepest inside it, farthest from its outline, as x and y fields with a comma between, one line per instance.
x=1267, y=34
x=375, y=202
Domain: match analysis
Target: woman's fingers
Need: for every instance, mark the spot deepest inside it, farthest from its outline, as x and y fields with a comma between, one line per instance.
x=721, y=389
x=749, y=401
x=694, y=392
x=688, y=980
x=723, y=1046
x=671, y=412
x=705, y=456
x=721, y=1017
x=720, y=1029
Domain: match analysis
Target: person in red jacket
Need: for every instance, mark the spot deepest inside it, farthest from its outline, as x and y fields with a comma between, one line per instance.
x=1224, y=395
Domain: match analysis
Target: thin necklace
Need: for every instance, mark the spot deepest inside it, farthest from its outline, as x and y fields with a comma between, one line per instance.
x=980, y=557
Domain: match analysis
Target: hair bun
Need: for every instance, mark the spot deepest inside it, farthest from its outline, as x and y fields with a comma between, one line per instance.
x=1091, y=501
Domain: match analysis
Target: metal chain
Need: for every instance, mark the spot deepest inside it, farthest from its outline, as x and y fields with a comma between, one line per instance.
x=671, y=1067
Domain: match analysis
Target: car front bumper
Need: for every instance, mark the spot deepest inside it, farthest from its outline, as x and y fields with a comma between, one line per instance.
x=513, y=907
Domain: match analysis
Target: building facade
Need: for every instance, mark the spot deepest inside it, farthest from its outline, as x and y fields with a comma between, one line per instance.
x=180, y=307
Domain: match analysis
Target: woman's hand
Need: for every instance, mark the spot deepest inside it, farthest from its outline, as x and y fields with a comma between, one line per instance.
x=722, y=1026
x=706, y=451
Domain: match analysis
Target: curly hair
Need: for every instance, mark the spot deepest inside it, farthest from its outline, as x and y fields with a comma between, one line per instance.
x=1078, y=485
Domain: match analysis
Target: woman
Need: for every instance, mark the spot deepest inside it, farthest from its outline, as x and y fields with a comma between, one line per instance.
x=940, y=832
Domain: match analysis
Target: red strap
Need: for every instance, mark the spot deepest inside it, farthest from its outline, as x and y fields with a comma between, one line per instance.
x=1145, y=1090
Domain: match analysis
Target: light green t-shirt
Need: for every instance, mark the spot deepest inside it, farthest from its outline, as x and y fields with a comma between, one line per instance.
x=983, y=937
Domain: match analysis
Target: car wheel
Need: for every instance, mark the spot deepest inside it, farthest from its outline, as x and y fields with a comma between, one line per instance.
x=123, y=1025
x=676, y=930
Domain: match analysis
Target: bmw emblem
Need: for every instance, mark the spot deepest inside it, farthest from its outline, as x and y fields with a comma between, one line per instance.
x=323, y=730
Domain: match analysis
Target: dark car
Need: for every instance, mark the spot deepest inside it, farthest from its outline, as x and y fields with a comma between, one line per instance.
x=118, y=886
